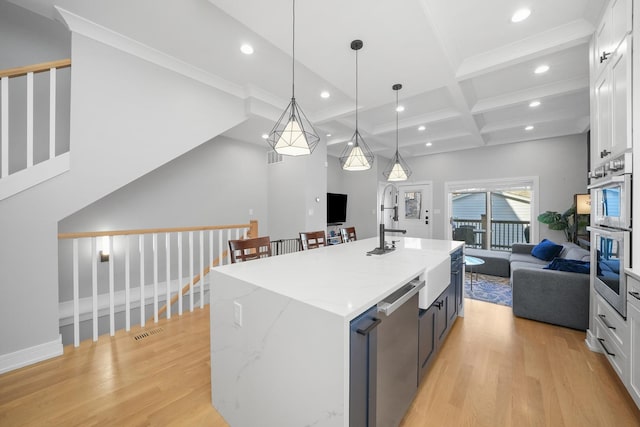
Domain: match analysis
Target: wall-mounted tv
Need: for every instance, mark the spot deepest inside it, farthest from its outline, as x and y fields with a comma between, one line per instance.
x=336, y=208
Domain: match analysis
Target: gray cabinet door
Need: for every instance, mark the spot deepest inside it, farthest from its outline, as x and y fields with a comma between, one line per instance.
x=427, y=342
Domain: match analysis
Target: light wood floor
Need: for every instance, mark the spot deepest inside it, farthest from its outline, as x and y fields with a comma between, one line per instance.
x=494, y=370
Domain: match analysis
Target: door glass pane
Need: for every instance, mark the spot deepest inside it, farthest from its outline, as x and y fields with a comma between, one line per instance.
x=412, y=204
x=510, y=218
x=469, y=218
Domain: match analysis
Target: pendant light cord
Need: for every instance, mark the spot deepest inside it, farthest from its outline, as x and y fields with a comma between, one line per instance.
x=356, y=141
x=293, y=54
x=397, y=123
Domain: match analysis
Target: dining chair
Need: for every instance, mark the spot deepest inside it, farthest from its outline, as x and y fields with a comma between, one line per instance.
x=248, y=249
x=312, y=239
x=348, y=234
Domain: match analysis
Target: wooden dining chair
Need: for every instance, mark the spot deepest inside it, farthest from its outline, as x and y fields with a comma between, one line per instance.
x=348, y=234
x=248, y=249
x=312, y=239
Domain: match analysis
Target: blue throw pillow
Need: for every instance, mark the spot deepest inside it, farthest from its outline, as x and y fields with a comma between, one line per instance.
x=571, y=265
x=546, y=250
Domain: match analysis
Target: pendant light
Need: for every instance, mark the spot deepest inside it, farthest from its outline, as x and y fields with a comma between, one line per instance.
x=293, y=134
x=397, y=169
x=356, y=156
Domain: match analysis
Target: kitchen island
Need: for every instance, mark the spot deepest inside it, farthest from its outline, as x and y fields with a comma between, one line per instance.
x=280, y=326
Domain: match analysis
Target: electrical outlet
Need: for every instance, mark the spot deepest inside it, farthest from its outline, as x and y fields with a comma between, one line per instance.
x=237, y=313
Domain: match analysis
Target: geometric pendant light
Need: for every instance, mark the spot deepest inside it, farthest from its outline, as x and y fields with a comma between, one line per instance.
x=397, y=169
x=293, y=134
x=356, y=156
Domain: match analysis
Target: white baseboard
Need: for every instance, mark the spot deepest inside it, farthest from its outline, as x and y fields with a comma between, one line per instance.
x=31, y=355
x=591, y=342
x=65, y=309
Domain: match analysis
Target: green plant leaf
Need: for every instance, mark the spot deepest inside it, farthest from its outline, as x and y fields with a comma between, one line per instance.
x=549, y=217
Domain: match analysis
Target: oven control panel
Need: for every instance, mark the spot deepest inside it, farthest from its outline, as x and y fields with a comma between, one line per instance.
x=619, y=166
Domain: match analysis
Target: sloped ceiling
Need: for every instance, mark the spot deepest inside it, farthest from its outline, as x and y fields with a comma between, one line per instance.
x=467, y=71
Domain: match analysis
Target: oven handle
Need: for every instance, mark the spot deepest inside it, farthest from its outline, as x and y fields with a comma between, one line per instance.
x=608, y=181
x=618, y=234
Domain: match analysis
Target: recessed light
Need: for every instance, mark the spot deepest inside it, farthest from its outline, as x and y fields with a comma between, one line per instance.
x=542, y=69
x=247, y=49
x=520, y=15
x=428, y=144
x=265, y=136
x=328, y=135
x=350, y=143
x=400, y=108
x=324, y=94
x=421, y=128
x=529, y=128
x=534, y=104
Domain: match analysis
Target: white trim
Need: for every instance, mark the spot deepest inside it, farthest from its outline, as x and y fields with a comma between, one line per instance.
x=65, y=309
x=31, y=355
x=590, y=341
x=27, y=178
x=97, y=32
x=496, y=184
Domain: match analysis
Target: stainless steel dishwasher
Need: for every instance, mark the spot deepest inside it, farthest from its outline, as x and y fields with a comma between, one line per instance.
x=383, y=377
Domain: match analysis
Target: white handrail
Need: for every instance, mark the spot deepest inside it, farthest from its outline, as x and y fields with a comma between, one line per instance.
x=14, y=181
x=98, y=291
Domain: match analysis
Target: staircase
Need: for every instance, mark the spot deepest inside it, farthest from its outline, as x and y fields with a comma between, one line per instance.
x=18, y=167
x=129, y=116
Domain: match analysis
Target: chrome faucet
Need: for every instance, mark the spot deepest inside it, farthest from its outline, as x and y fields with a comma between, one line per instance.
x=383, y=246
x=383, y=229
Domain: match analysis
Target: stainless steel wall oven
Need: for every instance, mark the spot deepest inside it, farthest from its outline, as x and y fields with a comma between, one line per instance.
x=610, y=254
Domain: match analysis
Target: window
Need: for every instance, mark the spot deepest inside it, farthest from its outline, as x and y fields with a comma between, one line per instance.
x=493, y=214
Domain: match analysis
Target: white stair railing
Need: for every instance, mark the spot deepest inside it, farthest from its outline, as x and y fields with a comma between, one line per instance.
x=122, y=288
x=32, y=174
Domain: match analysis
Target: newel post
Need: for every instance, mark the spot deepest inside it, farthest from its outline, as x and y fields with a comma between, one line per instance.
x=253, y=229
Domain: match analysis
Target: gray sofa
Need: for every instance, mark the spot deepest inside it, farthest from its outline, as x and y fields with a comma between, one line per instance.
x=551, y=296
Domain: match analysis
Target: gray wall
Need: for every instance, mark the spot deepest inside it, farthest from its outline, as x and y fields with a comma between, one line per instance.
x=293, y=186
x=25, y=39
x=191, y=190
x=361, y=188
x=560, y=163
x=167, y=114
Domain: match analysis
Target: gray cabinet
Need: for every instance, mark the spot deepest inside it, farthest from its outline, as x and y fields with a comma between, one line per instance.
x=436, y=322
x=427, y=344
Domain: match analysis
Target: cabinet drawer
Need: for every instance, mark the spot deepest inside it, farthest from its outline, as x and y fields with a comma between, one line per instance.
x=633, y=288
x=613, y=323
x=617, y=358
x=634, y=353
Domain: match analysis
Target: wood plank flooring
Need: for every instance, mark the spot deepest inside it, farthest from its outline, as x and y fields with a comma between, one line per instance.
x=494, y=370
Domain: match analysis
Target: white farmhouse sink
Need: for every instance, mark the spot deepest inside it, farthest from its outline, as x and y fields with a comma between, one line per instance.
x=437, y=279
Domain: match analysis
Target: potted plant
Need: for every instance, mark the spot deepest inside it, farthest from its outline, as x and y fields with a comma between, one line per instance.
x=561, y=222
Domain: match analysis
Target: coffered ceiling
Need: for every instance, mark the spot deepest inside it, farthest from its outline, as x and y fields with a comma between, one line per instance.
x=467, y=71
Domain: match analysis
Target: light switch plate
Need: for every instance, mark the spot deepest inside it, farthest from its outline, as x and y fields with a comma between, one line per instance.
x=237, y=313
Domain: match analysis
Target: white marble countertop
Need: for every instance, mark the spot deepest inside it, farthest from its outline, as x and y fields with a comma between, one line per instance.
x=342, y=279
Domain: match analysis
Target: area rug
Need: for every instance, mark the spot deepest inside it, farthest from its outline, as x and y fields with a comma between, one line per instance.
x=487, y=288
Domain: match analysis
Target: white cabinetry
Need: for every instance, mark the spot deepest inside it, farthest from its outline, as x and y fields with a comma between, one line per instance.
x=612, y=333
x=611, y=69
x=615, y=24
x=633, y=319
x=612, y=106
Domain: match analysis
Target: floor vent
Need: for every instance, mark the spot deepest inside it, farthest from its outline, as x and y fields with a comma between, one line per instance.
x=273, y=157
x=148, y=333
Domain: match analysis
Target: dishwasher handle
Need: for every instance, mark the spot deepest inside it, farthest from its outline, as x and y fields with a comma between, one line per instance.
x=402, y=295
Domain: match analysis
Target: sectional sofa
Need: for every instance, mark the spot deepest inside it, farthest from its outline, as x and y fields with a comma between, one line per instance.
x=551, y=296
